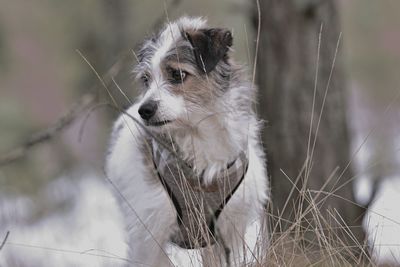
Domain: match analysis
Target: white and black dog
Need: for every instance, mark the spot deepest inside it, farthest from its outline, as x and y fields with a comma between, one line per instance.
x=191, y=173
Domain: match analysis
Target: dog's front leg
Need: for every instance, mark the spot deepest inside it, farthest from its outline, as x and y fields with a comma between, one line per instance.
x=216, y=255
x=147, y=210
x=148, y=240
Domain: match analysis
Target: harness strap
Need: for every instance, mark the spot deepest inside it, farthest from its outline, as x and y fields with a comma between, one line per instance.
x=198, y=206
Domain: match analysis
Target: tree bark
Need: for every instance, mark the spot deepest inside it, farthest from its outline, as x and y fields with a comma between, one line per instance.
x=286, y=72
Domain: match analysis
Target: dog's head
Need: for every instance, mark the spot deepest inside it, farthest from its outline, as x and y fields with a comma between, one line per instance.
x=182, y=71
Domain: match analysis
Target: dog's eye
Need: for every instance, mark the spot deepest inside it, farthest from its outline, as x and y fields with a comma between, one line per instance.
x=177, y=76
x=145, y=79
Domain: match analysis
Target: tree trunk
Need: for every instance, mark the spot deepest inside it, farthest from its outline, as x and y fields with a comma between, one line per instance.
x=286, y=71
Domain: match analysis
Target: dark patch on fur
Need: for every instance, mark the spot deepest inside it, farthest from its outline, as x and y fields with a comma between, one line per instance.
x=209, y=46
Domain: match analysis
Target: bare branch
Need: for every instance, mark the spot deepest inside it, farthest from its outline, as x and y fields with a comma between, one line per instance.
x=82, y=104
x=4, y=240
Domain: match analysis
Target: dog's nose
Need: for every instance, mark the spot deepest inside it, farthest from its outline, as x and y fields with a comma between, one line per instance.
x=148, y=109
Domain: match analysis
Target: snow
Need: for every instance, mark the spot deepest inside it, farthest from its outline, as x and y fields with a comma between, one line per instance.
x=383, y=222
x=89, y=233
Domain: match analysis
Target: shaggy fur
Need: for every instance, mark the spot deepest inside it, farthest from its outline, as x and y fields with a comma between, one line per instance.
x=209, y=116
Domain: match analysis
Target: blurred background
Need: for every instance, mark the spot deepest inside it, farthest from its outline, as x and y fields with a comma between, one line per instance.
x=43, y=74
x=44, y=46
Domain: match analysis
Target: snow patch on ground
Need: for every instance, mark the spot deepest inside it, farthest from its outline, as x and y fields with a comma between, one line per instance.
x=88, y=233
x=383, y=222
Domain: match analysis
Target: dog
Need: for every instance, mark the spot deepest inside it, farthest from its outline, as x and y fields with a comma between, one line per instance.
x=186, y=158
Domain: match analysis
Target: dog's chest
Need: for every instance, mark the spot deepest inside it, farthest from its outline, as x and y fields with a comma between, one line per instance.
x=197, y=205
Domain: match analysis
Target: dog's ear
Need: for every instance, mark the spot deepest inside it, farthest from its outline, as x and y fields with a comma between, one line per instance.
x=209, y=46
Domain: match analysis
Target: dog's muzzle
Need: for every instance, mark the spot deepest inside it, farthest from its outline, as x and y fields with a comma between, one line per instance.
x=148, y=109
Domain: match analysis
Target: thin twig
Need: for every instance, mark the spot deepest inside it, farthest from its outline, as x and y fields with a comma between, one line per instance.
x=70, y=251
x=4, y=240
x=160, y=20
x=84, y=103
x=45, y=135
x=257, y=41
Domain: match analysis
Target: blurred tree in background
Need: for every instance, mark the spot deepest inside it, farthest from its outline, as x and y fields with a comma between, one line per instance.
x=293, y=95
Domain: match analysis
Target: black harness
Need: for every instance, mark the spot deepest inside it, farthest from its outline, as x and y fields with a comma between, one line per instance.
x=197, y=205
